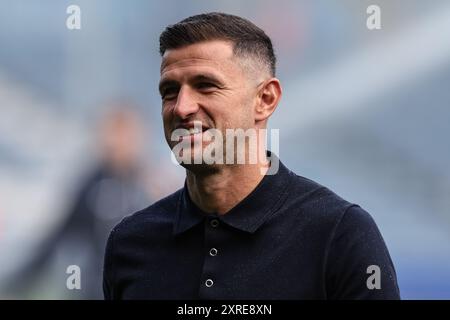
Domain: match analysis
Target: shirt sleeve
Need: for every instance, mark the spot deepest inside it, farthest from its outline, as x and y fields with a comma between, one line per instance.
x=107, y=269
x=359, y=265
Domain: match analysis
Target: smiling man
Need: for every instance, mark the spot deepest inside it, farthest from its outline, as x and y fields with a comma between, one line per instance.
x=238, y=230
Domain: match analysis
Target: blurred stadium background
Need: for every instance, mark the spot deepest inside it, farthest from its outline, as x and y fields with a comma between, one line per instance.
x=365, y=113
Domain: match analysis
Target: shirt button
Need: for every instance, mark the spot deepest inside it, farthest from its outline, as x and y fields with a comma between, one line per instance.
x=209, y=283
x=213, y=252
x=214, y=223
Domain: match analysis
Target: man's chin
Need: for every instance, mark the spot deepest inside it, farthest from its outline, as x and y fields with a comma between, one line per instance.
x=201, y=168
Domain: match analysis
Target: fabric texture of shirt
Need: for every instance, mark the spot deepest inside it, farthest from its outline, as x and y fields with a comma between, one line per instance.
x=290, y=238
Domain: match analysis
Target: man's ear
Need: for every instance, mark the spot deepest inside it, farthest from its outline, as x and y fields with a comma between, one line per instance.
x=269, y=96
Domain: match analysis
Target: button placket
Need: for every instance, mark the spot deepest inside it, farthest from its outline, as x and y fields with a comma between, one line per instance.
x=214, y=223
x=210, y=286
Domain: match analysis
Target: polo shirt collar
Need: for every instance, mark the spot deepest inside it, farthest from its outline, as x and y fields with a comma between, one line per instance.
x=249, y=214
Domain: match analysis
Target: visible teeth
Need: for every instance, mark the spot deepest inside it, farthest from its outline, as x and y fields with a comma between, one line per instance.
x=194, y=130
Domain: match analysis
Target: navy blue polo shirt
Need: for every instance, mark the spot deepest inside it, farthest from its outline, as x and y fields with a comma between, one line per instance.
x=290, y=238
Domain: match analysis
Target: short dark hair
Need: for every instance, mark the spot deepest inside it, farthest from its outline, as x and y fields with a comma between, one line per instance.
x=248, y=39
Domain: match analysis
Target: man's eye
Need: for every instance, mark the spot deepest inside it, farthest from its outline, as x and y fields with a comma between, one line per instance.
x=169, y=93
x=206, y=85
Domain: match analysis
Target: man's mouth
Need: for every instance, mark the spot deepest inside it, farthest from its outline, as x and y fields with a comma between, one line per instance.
x=193, y=131
x=190, y=130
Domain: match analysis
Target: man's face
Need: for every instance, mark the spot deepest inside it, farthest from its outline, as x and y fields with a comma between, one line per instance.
x=205, y=82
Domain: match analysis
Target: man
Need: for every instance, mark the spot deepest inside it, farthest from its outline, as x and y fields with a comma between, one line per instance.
x=238, y=230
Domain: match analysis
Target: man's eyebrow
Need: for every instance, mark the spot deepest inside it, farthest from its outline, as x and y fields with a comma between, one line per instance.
x=197, y=78
x=207, y=77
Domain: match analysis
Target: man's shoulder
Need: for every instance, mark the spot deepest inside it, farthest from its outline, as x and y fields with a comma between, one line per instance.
x=324, y=210
x=308, y=192
x=315, y=200
x=158, y=215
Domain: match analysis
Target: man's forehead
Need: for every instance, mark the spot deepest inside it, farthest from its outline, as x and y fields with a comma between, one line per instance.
x=212, y=53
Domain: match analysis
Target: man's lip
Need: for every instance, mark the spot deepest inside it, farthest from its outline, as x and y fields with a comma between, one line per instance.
x=190, y=126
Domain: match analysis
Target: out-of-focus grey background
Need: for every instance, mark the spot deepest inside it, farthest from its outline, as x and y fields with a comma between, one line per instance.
x=364, y=112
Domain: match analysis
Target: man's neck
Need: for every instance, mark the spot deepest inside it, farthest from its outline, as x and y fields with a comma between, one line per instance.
x=221, y=190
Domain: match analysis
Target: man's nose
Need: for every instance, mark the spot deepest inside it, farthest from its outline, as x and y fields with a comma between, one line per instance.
x=186, y=104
